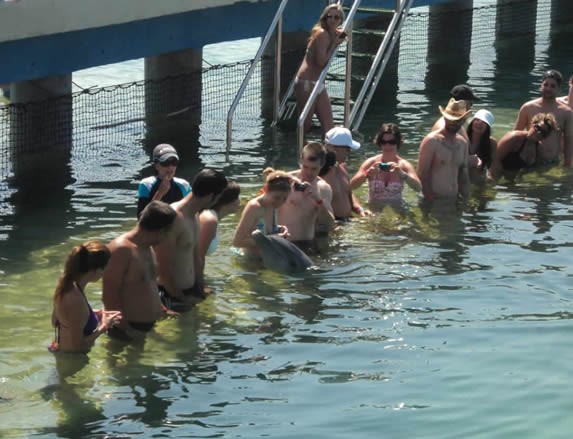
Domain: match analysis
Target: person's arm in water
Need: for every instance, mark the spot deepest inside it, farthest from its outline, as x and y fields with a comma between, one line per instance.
x=166, y=252
x=522, y=119
x=463, y=175
x=247, y=224
x=568, y=139
x=207, y=232
x=425, y=158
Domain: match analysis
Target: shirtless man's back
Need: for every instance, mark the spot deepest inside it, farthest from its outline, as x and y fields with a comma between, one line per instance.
x=180, y=271
x=129, y=280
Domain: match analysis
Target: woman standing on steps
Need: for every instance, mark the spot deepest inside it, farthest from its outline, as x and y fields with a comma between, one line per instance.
x=324, y=38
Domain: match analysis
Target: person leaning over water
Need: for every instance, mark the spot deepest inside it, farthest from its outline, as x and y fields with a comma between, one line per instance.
x=129, y=280
x=560, y=139
x=386, y=172
x=209, y=219
x=76, y=324
x=324, y=38
x=443, y=157
x=163, y=186
x=180, y=275
x=518, y=149
x=261, y=213
x=482, y=146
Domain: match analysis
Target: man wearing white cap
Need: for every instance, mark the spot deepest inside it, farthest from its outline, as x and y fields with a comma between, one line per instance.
x=443, y=156
x=339, y=143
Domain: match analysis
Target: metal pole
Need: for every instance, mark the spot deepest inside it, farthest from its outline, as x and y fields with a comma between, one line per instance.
x=348, y=80
x=278, y=59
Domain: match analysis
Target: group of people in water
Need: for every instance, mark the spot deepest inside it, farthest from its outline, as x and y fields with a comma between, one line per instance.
x=157, y=268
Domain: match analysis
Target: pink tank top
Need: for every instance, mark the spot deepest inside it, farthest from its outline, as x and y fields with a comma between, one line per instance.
x=381, y=190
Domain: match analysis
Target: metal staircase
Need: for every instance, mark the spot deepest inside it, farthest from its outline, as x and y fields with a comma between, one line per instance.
x=340, y=76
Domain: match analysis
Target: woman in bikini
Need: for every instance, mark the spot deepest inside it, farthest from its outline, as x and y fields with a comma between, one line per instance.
x=324, y=38
x=261, y=212
x=386, y=172
x=76, y=324
x=519, y=150
x=482, y=146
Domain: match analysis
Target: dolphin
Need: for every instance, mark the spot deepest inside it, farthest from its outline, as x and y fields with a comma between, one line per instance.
x=279, y=254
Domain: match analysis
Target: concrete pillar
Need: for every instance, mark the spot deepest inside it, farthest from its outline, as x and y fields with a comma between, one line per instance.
x=173, y=98
x=365, y=45
x=560, y=36
x=293, y=49
x=514, y=46
x=449, y=47
x=41, y=132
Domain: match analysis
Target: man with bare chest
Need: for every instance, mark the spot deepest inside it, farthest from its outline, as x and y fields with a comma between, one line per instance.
x=180, y=274
x=308, y=204
x=339, y=143
x=442, y=160
x=559, y=140
x=129, y=279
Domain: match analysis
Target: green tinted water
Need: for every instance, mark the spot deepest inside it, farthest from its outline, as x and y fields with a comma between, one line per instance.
x=415, y=324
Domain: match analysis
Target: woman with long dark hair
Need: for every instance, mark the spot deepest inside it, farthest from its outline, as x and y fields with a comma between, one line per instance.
x=482, y=145
x=76, y=324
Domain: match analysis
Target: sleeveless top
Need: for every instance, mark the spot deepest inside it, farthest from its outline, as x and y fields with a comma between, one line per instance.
x=274, y=227
x=381, y=190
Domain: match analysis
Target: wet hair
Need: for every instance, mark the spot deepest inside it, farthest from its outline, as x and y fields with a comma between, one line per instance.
x=89, y=256
x=329, y=162
x=208, y=182
x=157, y=215
x=276, y=181
x=555, y=75
x=484, y=146
x=388, y=128
x=321, y=23
x=229, y=195
x=548, y=119
x=314, y=151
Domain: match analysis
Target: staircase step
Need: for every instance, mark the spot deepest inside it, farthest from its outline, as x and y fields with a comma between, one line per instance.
x=362, y=55
x=364, y=31
x=339, y=77
x=371, y=10
x=338, y=102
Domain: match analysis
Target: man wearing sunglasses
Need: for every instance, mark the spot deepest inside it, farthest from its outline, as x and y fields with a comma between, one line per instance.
x=560, y=139
x=163, y=186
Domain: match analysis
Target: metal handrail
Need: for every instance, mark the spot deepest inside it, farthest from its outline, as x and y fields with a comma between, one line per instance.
x=313, y=95
x=258, y=56
x=379, y=64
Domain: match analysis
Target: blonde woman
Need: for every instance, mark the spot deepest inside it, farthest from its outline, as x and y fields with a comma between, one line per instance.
x=324, y=38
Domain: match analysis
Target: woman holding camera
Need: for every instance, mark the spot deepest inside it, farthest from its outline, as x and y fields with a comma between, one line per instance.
x=261, y=212
x=386, y=172
x=324, y=38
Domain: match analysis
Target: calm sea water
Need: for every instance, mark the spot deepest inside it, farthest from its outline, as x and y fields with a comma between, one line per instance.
x=439, y=324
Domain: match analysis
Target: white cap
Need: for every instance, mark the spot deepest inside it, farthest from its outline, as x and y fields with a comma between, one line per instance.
x=485, y=116
x=340, y=136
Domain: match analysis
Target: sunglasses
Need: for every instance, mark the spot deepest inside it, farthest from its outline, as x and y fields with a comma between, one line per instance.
x=336, y=16
x=543, y=133
x=170, y=162
x=388, y=142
